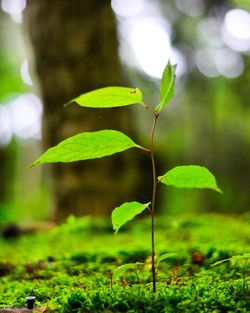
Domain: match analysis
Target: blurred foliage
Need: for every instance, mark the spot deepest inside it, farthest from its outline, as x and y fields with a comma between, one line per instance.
x=11, y=55
x=243, y=4
x=208, y=122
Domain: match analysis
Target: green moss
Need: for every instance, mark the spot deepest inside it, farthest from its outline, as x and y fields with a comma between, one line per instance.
x=69, y=268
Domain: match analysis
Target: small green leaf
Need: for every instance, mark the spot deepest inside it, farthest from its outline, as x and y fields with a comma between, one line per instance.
x=126, y=212
x=240, y=259
x=220, y=262
x=88, y=145
x=167, y=86
x=235, y=259
x=190, y=176
x=166, y=256
x=109, y=97
x=120, y=270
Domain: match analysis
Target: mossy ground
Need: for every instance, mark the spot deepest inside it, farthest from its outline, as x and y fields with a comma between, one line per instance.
x=70, y=268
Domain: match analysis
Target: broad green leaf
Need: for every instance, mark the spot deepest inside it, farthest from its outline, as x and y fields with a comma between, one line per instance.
x=88, y=145
x=109, y=97
x=166, y=256
x=190, y=176
x=167, y=86
x=120, y=270
x=126, y=212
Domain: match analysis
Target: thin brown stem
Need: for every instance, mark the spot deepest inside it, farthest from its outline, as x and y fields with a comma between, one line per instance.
x=155, y=182
x=153, y=200
x=147, y=107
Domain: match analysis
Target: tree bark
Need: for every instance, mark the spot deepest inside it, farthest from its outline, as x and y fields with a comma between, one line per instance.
x=76, y=50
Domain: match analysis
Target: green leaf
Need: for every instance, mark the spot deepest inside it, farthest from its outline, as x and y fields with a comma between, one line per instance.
x=166, y=256
x=220, y=262
x=109, y=97
x=120, y=270
x=87, y=145
x=190, y=176
x=235, y=259
x=167, y=86
x=126, y=212
x=240, y=259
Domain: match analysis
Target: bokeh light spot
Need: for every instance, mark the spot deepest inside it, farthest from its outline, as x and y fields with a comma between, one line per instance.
x=14, y=8
x=229, y=63
x=206, y=63
x=236, y=30
x=151, y=45
x=127, y=8
x=25, y=75
x=208, y=31
x=5, y=128
x=237, y=22
x=26, y=112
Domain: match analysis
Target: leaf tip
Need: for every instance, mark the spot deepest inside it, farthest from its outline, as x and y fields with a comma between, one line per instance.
x=219, y=190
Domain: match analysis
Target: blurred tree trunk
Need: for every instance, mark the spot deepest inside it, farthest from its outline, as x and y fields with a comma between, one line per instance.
x=76, y=50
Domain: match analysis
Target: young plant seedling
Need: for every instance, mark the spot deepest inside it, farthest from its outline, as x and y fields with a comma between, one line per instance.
x=91, y=145
x=239, y=262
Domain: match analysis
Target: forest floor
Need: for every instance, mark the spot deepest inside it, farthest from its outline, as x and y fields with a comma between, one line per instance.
x=75, y=267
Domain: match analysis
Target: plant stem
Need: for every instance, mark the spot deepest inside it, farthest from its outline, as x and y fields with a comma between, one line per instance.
x=156, y=114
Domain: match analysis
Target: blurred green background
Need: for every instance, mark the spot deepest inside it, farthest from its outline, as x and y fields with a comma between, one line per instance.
x=207, y=122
